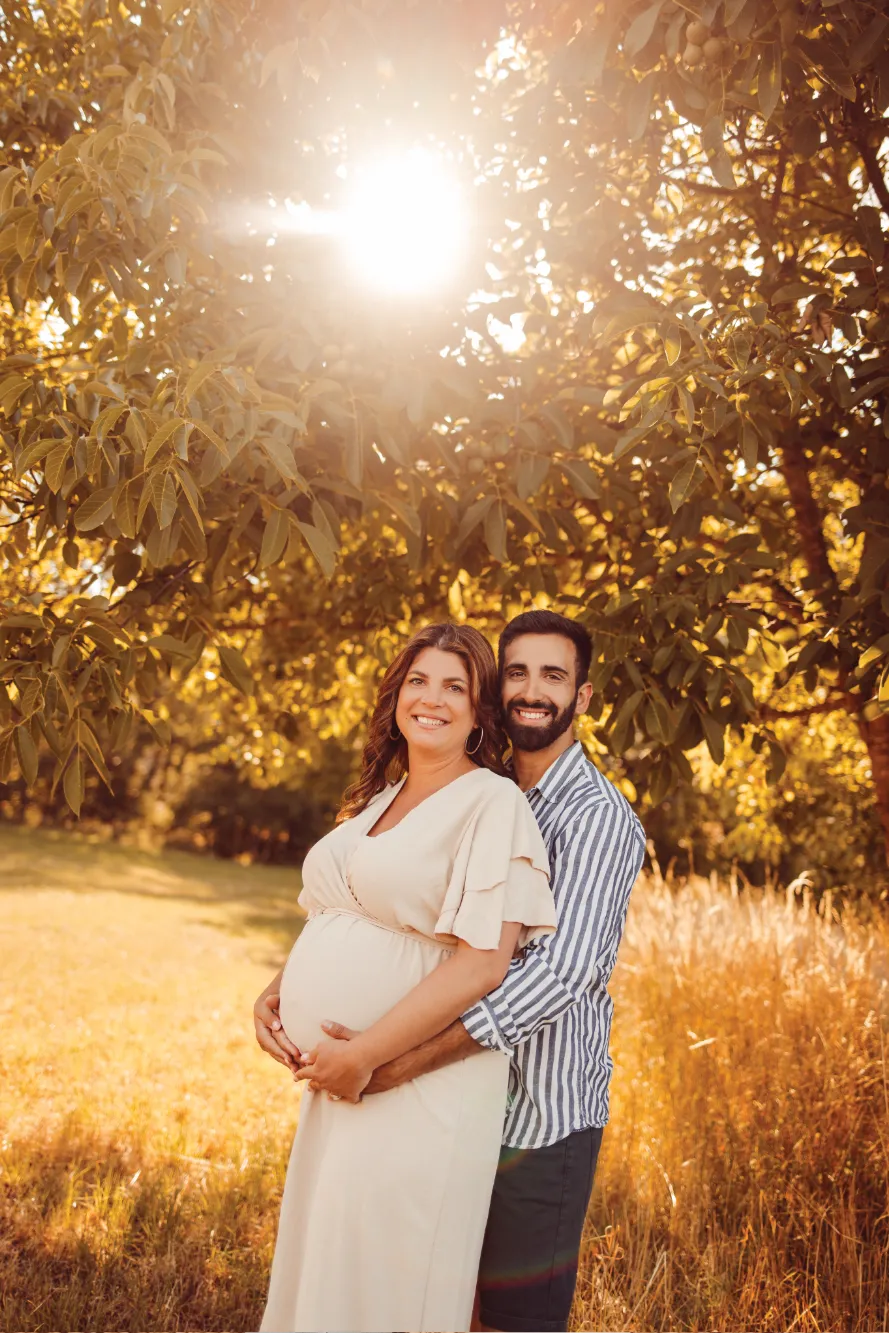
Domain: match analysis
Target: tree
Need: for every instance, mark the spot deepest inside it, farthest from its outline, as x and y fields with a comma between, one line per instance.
x=687, y=451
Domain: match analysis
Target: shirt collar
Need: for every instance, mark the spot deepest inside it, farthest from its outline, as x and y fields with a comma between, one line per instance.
x=561, y=771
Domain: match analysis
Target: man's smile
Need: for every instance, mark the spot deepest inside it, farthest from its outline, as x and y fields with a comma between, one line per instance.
x=533, y=714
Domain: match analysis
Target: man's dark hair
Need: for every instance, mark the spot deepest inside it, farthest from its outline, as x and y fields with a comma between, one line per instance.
x=550, y=622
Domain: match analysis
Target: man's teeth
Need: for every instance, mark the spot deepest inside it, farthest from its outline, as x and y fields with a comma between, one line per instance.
x=532, y=715
x=430, y=721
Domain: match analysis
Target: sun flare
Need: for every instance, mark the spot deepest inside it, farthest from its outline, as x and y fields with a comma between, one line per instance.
x=405, y=223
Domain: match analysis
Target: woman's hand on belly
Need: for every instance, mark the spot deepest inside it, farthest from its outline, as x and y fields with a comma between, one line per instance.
x=335, y=1068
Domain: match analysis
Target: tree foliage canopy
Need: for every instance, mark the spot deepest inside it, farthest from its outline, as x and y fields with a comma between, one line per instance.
x=222, y=451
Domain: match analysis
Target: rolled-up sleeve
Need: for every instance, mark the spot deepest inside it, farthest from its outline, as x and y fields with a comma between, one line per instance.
x=594, y=863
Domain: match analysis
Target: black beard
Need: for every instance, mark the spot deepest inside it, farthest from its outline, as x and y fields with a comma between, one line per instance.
x=529, y=738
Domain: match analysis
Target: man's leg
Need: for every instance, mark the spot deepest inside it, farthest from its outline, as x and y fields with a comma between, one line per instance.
x=528, y=1267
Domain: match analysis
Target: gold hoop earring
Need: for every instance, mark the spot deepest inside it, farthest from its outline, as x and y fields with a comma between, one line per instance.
x=397, y=736
x=478, y=745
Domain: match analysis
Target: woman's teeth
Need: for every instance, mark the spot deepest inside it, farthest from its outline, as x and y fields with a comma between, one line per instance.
x=430, y=721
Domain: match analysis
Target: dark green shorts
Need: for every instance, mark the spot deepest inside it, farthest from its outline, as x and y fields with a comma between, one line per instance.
x=529, y=1258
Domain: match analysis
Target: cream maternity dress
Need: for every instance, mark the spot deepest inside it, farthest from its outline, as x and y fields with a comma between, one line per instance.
x=385, y=1202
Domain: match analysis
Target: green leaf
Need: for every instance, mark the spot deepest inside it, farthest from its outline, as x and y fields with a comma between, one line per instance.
x=556, y=417
x=749, y=444
x=768, y=87
x=88, y=740
x=805, y=137
x=169, y=645
x=27, y=754
x=471, y=519
x=126, y=567
x=686, y=411
x=715, y=737
x=625, y=715
x=672, y=341
x=281, y=457
x=584, y=479
x=56, y=465
x=124, y=506
x=162, y=492
x=34, y=452
x=713, y=142
x=871, y=43
x=235, y=670
x=638, y=107
x=870, y=655
x=495, y=533
x=531, y=471
x=641, y=29
x=319, y=544
x=160, y=437
x=44, y=172
x=685, y=481
x=274, y=538
x=95, y=509
x=209, y=433
x=198, y=376
x=828, y=63
x=73, y=782
x=406, y=512
x=793, y=291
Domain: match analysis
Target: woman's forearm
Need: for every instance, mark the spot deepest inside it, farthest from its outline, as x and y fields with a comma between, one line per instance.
x=274, y=986
x=448, y=991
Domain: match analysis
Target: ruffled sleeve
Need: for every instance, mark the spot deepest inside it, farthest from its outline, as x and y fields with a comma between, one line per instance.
x=500, y=873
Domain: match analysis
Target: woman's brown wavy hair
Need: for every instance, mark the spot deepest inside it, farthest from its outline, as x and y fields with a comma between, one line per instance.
x=384, y=759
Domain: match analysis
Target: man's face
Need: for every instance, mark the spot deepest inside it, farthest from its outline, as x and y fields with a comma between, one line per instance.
x=539, y=690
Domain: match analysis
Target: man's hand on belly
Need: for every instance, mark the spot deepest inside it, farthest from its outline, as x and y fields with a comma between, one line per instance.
x=446, y=1048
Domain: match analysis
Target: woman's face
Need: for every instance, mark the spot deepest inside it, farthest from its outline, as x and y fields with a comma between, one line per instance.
x=434, y=712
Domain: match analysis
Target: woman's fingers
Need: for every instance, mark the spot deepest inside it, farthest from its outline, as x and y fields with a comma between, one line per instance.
x=271, y=1047
x=286, y=1044
x=266, y=1010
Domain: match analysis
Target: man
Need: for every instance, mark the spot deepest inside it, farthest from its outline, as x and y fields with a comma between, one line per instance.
x=552, y=1013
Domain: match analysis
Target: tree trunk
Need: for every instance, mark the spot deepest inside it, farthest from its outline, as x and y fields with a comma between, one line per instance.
x=876, y=738
x=809, y=527
x=813, y=546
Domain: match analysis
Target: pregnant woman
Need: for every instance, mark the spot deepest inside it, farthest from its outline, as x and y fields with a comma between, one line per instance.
x=435, y=875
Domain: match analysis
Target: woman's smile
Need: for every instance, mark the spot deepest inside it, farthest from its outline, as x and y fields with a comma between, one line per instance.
x=427, y=721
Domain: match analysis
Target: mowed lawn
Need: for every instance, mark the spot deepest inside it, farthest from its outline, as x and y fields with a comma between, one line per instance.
x=743, y=1181
x=144, y=1132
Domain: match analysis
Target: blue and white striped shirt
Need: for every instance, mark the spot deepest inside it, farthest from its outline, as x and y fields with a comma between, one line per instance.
x=552, y=1013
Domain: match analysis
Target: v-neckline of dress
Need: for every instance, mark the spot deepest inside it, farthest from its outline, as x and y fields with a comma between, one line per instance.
x=369, y=833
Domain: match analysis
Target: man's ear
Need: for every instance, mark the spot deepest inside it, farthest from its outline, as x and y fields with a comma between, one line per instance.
x=584, y=694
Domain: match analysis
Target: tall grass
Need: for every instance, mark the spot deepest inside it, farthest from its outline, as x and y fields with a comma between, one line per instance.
x=743, y=1179
x=746, y=1179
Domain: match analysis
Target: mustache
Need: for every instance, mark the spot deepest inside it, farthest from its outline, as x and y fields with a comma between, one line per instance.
x=528, y=703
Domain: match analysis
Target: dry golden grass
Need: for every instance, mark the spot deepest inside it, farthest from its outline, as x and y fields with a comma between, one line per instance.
x=743, y=1181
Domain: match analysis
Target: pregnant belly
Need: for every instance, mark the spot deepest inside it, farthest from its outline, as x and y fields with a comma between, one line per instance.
x=348, y=970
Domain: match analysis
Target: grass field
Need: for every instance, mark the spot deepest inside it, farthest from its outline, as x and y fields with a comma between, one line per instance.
x=743, y=1181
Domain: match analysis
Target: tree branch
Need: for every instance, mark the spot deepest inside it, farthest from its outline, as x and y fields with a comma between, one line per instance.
x=870, y=158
